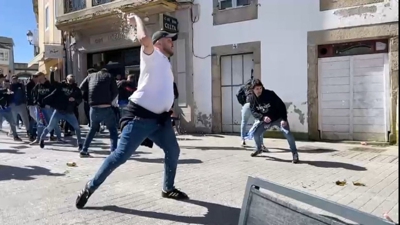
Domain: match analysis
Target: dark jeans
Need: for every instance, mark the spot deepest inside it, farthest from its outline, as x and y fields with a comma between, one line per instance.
x=86, y=108
x=43, y=122
x=133, y=134
x=53, y=123
x=67, y=126
x=8, y=116
x=98, y=115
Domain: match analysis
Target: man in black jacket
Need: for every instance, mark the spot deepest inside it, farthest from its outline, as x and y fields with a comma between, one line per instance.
x=64, y=99
x=68, y=128
x=5, y=110
x=31, y=107
x=18, y=105
x=101, y=90
x=270, y=110
x=43, y=111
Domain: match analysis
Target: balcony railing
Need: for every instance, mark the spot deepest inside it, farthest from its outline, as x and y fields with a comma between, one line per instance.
x=74, y=5
x=100, y=2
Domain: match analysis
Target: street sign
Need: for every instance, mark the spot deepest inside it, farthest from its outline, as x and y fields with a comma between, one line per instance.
x=169, y=24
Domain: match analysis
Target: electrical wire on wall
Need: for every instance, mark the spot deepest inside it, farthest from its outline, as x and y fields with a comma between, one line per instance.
x=195, y=20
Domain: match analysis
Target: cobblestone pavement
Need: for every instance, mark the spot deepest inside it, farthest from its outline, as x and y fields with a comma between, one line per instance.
x=37, y=187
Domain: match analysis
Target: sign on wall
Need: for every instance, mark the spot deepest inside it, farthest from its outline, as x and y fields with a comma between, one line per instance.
x=109, y=37
x=53, y=51
x=4, y=56
x=169, y=24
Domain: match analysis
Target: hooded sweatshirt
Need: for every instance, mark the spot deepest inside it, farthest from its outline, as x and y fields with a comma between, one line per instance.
x=40, y=91
x=19, y=93
x=59, y=97
x=267, y=104
x=29, y=95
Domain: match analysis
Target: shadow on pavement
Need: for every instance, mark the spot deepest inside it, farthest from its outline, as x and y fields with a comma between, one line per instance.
x=11, y=151
x=322, y=164
x=206, y=135
x=306, y=150
x=161, y=160
x=217, y=214
x=27, y=173
x=97, y=152
x=207, y=148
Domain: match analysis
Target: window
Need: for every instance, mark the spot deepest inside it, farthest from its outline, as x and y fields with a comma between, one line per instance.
x=353, y=48
x=100, y=2
x=4, y=55
x=46, y=19
x=74, y=5
x=226, y=4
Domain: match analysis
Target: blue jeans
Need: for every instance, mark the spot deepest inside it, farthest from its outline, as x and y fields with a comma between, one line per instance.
x=246, y=114
x=98, y=115
x=8, y=116
x=285, y=130
x=133, y=134
x=47, y=113
x=68, y=117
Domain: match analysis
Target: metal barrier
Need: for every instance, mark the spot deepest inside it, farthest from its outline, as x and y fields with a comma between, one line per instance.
x=259, y=208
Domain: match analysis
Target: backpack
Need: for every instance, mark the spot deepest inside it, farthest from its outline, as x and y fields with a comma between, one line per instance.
x=241, y=95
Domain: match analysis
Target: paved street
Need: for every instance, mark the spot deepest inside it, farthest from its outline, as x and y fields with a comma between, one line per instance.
x=37, y=187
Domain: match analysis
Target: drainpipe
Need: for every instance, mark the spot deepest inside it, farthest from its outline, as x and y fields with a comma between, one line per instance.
x=64, y=41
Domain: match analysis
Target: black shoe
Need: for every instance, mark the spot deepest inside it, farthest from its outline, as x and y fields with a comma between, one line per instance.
x=41, y=143
x=295, y=158
x=84, y=154
x=175, y=194
x=32, y=138
x=80, y=147
x=256, y=153
x=52, y=138
x=67, y=134
x=83, y=197
x=17, y=139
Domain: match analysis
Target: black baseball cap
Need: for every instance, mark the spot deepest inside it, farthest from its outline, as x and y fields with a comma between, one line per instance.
x=163, y=34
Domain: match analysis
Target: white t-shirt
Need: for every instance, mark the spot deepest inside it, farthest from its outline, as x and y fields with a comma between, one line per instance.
x=155, y=91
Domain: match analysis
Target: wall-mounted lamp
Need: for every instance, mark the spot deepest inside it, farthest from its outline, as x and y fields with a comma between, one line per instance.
x=29, y=36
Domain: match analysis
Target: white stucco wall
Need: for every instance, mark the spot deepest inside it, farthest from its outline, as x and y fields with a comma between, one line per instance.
x=282, y=28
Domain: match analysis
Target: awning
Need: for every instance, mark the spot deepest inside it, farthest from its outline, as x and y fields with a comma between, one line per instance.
x=35, y=60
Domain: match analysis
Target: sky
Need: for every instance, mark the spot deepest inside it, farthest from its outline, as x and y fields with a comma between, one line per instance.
x=16, y=18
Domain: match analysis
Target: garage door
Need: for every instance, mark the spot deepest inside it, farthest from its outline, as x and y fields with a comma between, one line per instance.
x=235, y=70
x=353, y=94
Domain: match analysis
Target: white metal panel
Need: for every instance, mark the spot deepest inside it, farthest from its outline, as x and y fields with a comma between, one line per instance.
x=226, y=70
x=226, y=95
x=334, y=97
x=353, y=97
x=235, y=70
x=248, y=65
x=369, y=91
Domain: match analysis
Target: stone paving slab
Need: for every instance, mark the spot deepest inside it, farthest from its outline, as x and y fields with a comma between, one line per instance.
x=39, y=188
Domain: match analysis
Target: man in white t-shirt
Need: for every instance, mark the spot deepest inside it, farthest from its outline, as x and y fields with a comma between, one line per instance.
x=147, y=114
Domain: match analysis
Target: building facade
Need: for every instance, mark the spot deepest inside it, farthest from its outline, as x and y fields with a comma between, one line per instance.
x=98, y=38
x=334, y=64
x=47, y=39
x=6, y=56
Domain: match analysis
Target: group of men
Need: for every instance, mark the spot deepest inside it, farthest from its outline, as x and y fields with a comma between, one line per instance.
x=45, y=104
